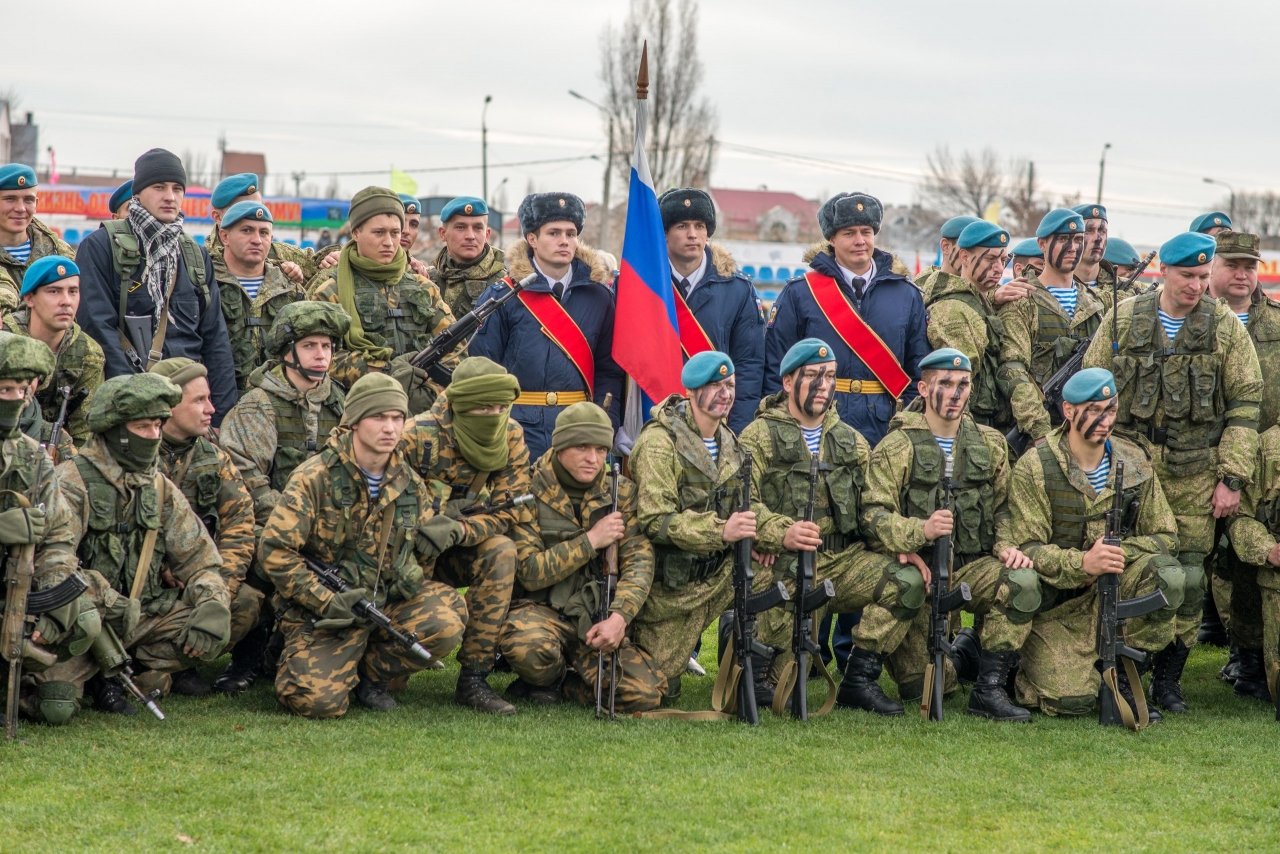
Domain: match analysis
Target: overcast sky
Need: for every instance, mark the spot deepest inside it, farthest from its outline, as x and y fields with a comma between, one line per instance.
x=1181, y=90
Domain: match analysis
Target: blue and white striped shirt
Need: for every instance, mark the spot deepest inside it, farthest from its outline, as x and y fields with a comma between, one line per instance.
x=1098, y=477
x=1244, y=318
x=713, y=448
x=812, y=438
x=947, y=445
x=1171, y=324
x=21, y=252
x=251, y=285
x=1066, y=298
x=375, y=483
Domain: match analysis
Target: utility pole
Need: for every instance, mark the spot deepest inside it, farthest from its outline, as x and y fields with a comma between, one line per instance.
x=484, y=149
x=1102, y=165
x=608, y=169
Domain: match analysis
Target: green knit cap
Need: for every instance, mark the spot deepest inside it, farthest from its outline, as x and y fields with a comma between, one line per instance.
x=582, y=424
x=130, y=397
x=372, y=201
x=180, y=369
x=372, y=394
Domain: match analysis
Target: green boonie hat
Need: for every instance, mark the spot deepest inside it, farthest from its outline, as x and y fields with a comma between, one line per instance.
x=1238, y=244
x=130, y=397
x=297, y=320
x=22, y=358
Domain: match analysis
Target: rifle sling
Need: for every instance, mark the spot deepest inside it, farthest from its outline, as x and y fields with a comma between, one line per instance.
x=724, y=695
x=926, y=699
x=1142, y=718
x=790, y=677
x=143, y=568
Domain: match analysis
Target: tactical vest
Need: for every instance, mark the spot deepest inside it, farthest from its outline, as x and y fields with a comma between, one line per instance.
x=405, y=328
x=17, y=479
x=784, y=482
x=985, y=401
x=972, y=486
x=126, y=257
x=114, y=533
x=248, y=319
x=1185, y=379
x=201, y=482
x=1268, y=513
x=1055, y=339
x=1066, y=505
x=294, y=442
x=556, y=529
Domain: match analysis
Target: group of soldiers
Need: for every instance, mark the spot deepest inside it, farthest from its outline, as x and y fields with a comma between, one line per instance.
x=250, y=456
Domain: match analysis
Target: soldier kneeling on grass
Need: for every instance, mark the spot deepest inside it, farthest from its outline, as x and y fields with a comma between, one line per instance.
x=552, y=623
x=358, y=507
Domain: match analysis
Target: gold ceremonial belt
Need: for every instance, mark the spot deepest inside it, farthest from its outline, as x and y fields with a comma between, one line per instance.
x=859, y=386
x=549, y=398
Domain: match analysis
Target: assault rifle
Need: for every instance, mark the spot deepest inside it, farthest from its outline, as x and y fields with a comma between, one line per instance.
x=608, y=583
x=109, y=654
x=429, y=357
x=36, y=604
x=941, y=604
x=55, y=434
x=807, y=600
x=1113, y=709
x=486, y=509
x=1051, y=391
x=745, y=607
x=367, y=610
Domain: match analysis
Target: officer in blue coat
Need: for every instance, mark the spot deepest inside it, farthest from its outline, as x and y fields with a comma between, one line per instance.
x=580, y=307
x=886, y=301
x=721, y=299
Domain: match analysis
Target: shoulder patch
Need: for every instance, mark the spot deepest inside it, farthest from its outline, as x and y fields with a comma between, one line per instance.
x=773, y=312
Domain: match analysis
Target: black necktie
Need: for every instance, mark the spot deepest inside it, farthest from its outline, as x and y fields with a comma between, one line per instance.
x=558, y=289
x=683, y=285
x=858, y=284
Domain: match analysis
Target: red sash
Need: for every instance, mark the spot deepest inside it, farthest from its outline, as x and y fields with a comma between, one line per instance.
x=856, y=334
x=693, y=338
x=563, y=332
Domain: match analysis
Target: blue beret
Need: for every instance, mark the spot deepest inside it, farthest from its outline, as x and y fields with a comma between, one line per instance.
x=1091, y=211
x=806, y=351
x=845, y=210
x=411, y=204
x=46, y=271
x=709, y=366
x=947, y=359
x=122, y=194
x=464, y=205
x=233, y=187
x=983, y=234
x=1060, y=221
x=1212, y=219
x=1189, y=249
x=1121, y=252
x=951, y=228
x=245, y=210
x=17, y=176
x=1027, y=249
x=1089, y=384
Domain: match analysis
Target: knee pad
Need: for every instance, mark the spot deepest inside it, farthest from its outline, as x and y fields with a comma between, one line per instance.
x=1194, y=583
x=1068, y=706
x=909, y=583
x=57, y=701
x=1171, y=579
x=84, y=629
x=1022, y=596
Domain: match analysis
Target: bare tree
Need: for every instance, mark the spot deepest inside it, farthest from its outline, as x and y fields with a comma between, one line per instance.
x=1024, y=203
x=199, y=167
x=967, y=184
x=1256, y=212
x=680, y=139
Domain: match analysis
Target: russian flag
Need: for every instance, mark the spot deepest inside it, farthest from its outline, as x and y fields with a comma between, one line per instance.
x=646, y=339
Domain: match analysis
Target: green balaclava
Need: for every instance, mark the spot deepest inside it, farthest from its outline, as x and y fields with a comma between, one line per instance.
x=482, y=439
x=21, y=359
x=131, y=451
x=131, y=397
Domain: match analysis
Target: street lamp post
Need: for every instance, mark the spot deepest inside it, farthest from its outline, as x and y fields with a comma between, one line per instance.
x=608, y=168
x=1231, y=200
x=484, y=149
x=1102, y=166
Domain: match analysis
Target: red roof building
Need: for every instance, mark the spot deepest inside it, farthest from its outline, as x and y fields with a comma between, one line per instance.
x=765, y=215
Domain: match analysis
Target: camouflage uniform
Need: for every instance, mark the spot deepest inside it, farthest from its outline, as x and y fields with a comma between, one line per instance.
x=43, y=242
x=684, y=500
x=1038, y=338
x=78, y=364
x=558, y=591
x=325, y=511
x=1255, y=596
x=1264, y=329
x=248, y=319
x=461, y=285
x=961, y=316
x=280, y=253
x=1054, y=517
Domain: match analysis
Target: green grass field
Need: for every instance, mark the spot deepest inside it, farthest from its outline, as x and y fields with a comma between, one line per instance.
x=239, y=775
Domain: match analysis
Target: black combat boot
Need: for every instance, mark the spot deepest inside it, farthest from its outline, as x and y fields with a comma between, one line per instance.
x=1230, y=671
x=540, y=695
x=1211, y=631
x=965, y=653
x=246, y=662
x=989, y=699
x=1126, y=691
x=374, y=695
x=473, y=690
x=765, y=686
x=860, y=688
x=108, y=696
x=189, y=683
x=1252, y=678
x=1166, y=685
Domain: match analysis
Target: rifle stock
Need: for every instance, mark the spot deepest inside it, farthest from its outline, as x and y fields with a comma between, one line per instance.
x=429, y=357
x=941, y=604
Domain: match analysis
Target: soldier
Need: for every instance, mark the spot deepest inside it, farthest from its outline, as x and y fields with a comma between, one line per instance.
x=253, y=289
x=467, y=264
x=948, y=234
x=412, y=223
x=1058, y=498
x=297, y=265
x=1210, y=223
x=393, y=311
x=1124, y=259
x=875, y=317
x=793, y=425
x=470, y=449
x=1042, y=332
x=146, y=289
x=1027, y=255
x=1188, y=379
x=1255, y=594
x=291, y=405
x=216, y=492
x=902, y=515
x=171, y=611
x=717, y=307
x=118, y=204
x=1094, y=270
x=557, y=337
x=552, y=623
x=357, y=506
x=50, y=296
x=23, y=238
x=34, y=512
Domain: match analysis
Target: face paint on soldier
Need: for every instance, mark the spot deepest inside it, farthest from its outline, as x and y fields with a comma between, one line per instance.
x=465, y=237
x=983, y=266
x=1233, y=279
x=1095, y=240
x=852, y=247
x=17, y=209
x=1062, y=252
x=375, y=437
x=53, y=309
x=810, y=391
x=163, y=201
x=193, y=415
x=945, y=393
x=554, y=246
x=246, y=246
x=408, y=237
x=378, y=238
x=1092, y=421
x=715, y=399
x=686, y=244
x=584, y=463
x=1183, y=287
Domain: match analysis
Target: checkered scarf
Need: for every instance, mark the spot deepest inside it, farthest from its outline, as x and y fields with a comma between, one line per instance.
x=158, y=242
